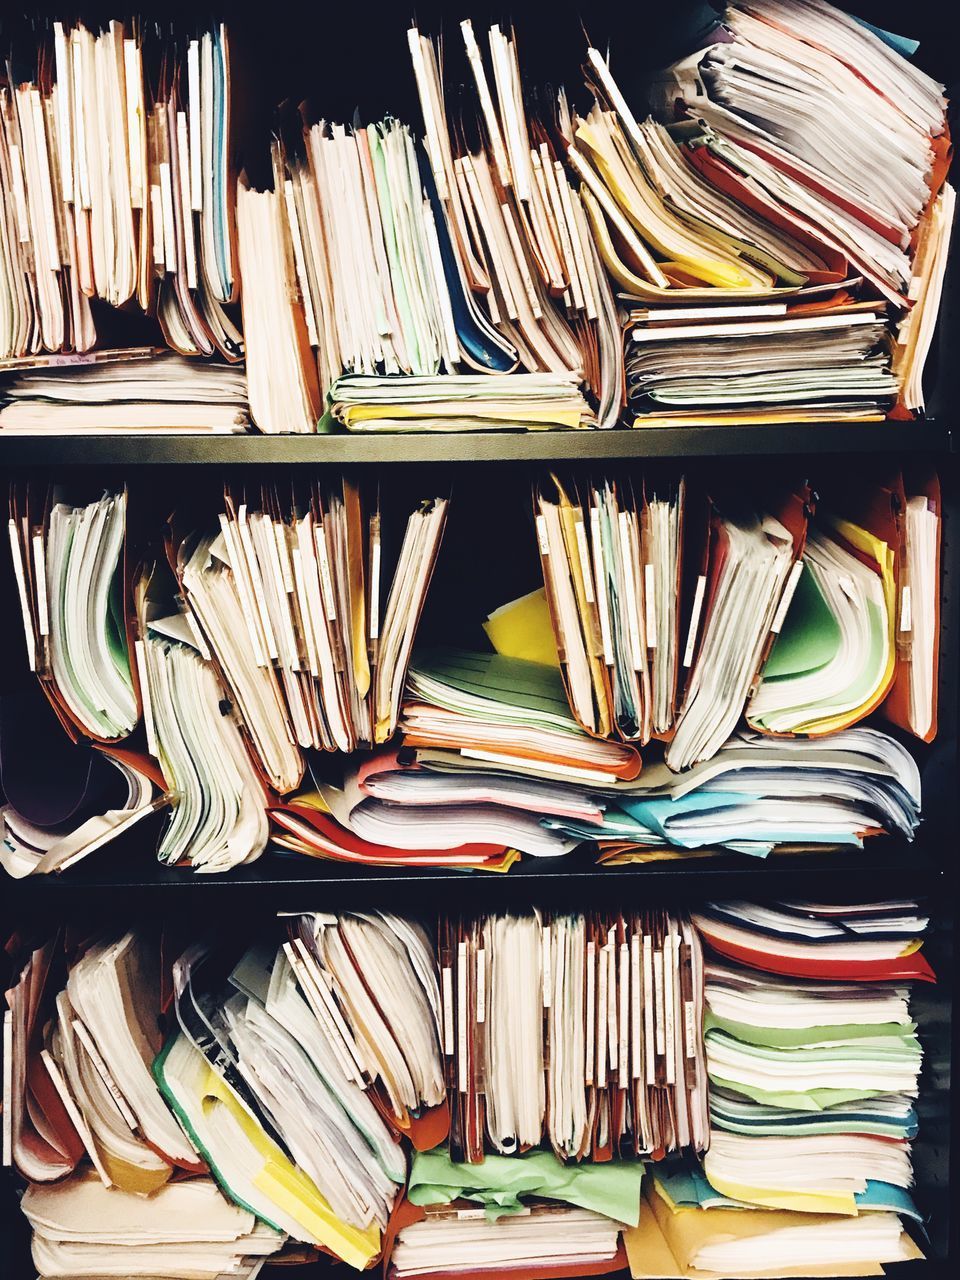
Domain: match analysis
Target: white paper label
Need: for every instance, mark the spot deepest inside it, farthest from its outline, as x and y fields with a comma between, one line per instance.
x=447, y=988
x=481, y=985
x=40, y=575
x=542, y=536
x=694, y=620
x=650, y=606
x=906, y=611
x=462, y=1017
x=782, y=609
x=690, y=1028
x=585, y=561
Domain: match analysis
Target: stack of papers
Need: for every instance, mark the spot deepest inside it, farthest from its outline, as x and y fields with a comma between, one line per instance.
x=131, y=202
x=505, y=711
x=866, y=942
x=763, y=243
x=759, y=793
x=683, y=1237
x=81, y=1228
x=309, y=608
x=458, y=806
x=546, y=1239
x=460, y=402
x=832, y=366
x=135, y=393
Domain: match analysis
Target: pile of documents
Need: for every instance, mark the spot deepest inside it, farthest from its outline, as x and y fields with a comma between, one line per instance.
x=459, y=402
x=132, y=392
x=116, y=184
x=503, y=1088
x=785, y=231
x=450, y=804
x=491, y=763
x=82, y=1228
x=758, y=794
x=814, y=1064
x=688, y=1230
x=673, y=615
x=772, y=237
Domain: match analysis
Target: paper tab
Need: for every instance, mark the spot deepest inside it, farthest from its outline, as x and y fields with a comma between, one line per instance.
x=786, y=598
x=446, y=982
x=695, y=620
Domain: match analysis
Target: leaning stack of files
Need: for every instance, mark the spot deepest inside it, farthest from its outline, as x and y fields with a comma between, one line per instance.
x=130, y=202
x=218, y=796
x=296, y=1069
x=98, y=796
x=81, y=1033
x=517, y=230
x=72, y=573
x=769, y=240
x=309, y=605
x=132, y=392
x=673, y=616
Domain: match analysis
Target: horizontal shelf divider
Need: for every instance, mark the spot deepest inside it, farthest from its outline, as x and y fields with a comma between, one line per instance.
x=281, y=883
x=461, y=447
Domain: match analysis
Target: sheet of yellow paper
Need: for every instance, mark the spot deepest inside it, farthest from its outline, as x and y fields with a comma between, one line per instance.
x=641, y=207
x=310, y=800
x=522, y=629
x=518, y=413
x=774, y=1198
x=358, y=603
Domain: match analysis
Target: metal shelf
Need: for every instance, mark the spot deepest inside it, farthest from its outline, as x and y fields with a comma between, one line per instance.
x=278, y=882
x=464, y=447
